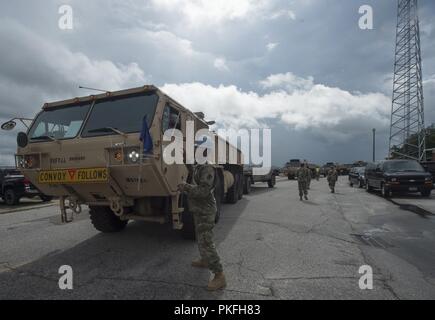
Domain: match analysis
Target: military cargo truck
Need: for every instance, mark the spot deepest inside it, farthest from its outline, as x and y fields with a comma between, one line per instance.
x=87, y=151
x=291, y=168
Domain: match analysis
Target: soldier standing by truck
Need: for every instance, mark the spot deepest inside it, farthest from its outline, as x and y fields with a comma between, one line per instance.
x=202, y=204
x=332, y=178
x=303, y=176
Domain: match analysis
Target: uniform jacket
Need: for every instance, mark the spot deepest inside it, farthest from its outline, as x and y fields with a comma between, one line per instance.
x=201, y=194
x=332, y=175
x=304, y=174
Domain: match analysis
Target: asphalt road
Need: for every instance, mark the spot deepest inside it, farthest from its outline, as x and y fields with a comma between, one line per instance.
x=272, y=246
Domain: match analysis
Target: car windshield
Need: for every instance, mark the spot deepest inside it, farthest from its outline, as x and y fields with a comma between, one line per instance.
x=360, y=170
x=403, y=166
x=123, y=114
x=58, y=123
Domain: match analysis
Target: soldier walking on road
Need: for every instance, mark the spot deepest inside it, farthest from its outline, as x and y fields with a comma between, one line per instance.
x=332, y=178
x=303, y=176
x=310, y=177
x=202, y=204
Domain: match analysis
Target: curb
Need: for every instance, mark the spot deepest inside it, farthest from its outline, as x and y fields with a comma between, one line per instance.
x=27, y=208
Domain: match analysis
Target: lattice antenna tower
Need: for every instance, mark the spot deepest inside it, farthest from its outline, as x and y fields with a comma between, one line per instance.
x=407, y=131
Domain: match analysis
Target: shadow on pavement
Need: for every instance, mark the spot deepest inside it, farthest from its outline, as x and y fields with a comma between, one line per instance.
x=140, y=262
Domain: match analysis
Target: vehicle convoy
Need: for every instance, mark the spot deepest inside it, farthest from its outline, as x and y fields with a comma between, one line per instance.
x=356, y=177
x=87, y=151
x=14, y=186
x=391, y=176
x=292, y=168
x=269, y=177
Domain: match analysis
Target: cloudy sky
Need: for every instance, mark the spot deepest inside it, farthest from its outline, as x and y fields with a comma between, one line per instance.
x=301, y=67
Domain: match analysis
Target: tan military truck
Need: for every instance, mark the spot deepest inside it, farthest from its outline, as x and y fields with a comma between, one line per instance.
x=87, y=151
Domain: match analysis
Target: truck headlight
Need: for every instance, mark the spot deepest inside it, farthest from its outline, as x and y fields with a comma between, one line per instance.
x=393, y=180
x=134, y=156
x=428, y=179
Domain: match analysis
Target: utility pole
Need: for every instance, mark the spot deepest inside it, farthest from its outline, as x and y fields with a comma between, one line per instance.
x=374, y=145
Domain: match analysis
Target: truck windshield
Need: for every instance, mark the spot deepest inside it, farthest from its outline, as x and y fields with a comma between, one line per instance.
x=58, y=123
x=403, y=166
x=124, y=114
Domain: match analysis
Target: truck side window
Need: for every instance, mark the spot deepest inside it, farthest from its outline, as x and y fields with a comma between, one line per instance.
x=171, y=119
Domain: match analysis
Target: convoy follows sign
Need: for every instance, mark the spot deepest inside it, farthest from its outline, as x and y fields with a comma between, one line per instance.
x=74, y=176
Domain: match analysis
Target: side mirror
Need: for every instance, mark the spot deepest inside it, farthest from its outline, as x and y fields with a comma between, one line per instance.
x=8, y=126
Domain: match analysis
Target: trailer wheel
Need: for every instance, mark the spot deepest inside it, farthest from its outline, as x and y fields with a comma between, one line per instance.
x=247, y=185
x=104, y=220
x=272, y=182
x=233, y=192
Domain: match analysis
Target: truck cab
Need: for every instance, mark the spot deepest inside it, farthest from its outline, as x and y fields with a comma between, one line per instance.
x=88, y=151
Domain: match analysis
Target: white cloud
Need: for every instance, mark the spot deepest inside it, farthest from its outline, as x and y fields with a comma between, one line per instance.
x=332, y=111
x=289, y=14
x=271, y=46
x=210, y=12
x=221, y=64
x=287, y=81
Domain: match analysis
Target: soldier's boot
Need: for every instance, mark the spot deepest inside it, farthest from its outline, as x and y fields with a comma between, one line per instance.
x=300, y=197
x=306, y=197
x=218, y=282
x=200, y=264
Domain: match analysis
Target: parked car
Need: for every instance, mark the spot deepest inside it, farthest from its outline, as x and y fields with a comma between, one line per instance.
x=391, y=176
x=357, y=177
x=14, y=186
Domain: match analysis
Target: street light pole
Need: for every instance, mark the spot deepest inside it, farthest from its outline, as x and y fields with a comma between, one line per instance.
x=374, y=145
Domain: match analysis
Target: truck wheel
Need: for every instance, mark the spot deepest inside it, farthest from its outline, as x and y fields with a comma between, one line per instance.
x=233, y=192
x=188, y=231
x=104, y=220
x=247, y=185
x=290, y=177
x=10, y=197
x=272, y=182
x=240, y=188
x=45, y=198
x=218, y=197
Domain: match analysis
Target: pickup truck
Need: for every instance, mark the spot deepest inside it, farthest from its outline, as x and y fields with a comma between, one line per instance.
x=14, y=186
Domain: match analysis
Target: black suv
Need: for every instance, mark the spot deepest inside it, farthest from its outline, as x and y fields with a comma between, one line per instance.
x=14, y=186
x=356, y=177
x=398, y=176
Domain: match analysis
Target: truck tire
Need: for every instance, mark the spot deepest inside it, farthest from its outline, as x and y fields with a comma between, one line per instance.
x=218, y=196
x=188, y=232
x=247, y=185
x=104, y=220
x=272, y=182
x=233, y=192
x=10, y=197
x=45, y=198
x=240, y=188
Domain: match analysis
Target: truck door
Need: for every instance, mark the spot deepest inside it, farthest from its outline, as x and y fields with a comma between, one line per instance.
x=173, y=121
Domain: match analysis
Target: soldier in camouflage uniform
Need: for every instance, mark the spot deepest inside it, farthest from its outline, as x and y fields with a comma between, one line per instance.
x=202, y=204
x=332, y=178
x=303, y=176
